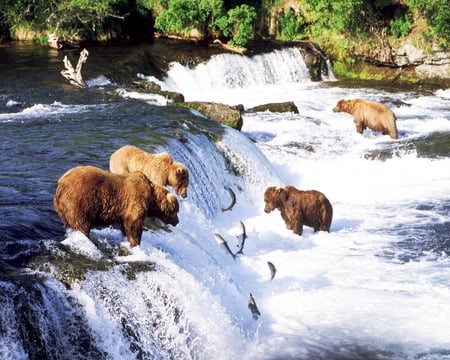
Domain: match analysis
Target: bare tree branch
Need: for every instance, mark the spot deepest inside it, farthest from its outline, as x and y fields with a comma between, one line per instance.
x=74, y=75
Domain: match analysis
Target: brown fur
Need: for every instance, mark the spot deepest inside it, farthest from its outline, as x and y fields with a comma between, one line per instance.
x=87, y=196
x=159, y=168
x=369, y=114
x=298, y=208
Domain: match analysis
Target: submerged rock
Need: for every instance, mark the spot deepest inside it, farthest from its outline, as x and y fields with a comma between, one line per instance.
x=288, y=106
x=154, y=88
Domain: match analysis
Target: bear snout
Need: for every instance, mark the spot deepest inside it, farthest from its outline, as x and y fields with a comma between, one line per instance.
x=268, y=208
x=182, y=192
x=172, y=220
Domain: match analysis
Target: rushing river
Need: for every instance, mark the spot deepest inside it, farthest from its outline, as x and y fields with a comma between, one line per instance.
x=376, y=287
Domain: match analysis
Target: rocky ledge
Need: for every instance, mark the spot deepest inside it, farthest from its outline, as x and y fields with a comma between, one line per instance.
x=408, y=61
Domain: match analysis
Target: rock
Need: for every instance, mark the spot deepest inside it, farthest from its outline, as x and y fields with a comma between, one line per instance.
x=408, y=55
x=427, y=65
x=154, y=88
x=221, y=113
x=288, y=106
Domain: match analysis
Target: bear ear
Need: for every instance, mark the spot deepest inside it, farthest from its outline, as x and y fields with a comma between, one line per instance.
x=282, y=193
x=171, y=197
x=181, y=171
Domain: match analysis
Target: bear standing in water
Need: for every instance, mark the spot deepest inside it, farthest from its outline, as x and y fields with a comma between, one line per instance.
x=369, y=114
x=87, y=196
x=298, y=208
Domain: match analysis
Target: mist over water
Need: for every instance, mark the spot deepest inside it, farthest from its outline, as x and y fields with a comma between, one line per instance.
x=376, y=287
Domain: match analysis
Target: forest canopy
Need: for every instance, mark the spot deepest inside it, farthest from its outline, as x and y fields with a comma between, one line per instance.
x=232, y=21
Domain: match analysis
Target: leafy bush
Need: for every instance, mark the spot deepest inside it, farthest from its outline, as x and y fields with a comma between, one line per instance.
x=401, y=26
x=437, y=14
x=289, y=25
x=182, y=16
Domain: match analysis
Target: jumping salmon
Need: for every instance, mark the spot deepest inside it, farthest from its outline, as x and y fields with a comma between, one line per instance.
x=241, y=239
x=224, y=243
x=253, y=308
x=233, y=200
x=273, y=270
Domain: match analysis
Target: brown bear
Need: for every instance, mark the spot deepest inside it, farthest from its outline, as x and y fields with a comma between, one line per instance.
x=159, y=168
x=87, y=196
x=298, y=208
x=369, y=114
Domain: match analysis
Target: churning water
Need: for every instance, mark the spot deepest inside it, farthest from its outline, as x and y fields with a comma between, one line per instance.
x=376, y=287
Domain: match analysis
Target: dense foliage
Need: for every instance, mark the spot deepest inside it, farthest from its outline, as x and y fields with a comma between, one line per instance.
x=234, y=21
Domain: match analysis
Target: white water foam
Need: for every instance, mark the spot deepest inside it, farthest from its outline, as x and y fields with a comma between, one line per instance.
x=45, y=110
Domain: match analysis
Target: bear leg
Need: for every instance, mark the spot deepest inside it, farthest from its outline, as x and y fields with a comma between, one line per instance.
x=133, y=230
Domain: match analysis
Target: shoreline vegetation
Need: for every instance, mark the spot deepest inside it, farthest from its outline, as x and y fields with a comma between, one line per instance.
x=390, y=40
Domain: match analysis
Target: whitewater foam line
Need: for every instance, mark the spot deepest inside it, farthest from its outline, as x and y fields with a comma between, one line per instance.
x=40, y=110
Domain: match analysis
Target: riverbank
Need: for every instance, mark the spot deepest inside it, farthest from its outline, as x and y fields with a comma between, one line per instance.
x=412, y=66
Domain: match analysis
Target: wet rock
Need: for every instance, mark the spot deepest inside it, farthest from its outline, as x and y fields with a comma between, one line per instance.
x=282, y=107
x=154, y=88
x=221, y=113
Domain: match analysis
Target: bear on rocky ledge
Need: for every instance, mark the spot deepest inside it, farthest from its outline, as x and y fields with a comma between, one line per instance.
x=159, y=168
x=87, y=196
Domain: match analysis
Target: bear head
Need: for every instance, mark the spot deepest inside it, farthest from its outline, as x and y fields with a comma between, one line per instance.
x=343, y=106
x=274, y=198
x=179, y=179
x=163, y=205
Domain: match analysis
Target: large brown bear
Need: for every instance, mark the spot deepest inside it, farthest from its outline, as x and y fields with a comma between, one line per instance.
x=159, y=168
x=369, y=114
x=298, y=208
x=87, y=196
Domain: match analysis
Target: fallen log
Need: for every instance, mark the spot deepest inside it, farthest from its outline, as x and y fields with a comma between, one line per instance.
x=236, y=49
x=74, y=75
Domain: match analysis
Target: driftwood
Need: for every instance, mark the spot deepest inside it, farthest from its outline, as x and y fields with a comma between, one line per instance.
x=232, y=48
x=55, y=42
x=74, y=75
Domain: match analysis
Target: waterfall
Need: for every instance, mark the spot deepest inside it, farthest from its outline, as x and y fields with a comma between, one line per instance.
x=231, y=71
x=135, y=306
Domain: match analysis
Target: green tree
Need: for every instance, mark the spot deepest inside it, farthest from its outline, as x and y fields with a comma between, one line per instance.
x=183, y=16
x=340, y=16
x=290, y=25
x=238, y=24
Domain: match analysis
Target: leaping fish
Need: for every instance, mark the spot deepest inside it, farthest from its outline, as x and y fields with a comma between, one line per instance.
x=241, y=238
x=273, y=270
x=233, y=200
x=253, y=308
x=224, y=243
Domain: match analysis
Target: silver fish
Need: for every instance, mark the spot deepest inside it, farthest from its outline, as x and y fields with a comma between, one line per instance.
x=233, y=200
x=241, y=238
x=273, y=270
x=253, y=308
x=224, y=243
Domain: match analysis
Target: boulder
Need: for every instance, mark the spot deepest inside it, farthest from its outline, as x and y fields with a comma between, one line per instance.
x=288, y=106
x=154, y=88
x=221, y=113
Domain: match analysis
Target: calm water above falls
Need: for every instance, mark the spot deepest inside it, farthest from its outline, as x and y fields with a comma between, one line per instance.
x=376, y=287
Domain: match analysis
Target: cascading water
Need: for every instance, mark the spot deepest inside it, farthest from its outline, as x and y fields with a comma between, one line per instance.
x=225, y=76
